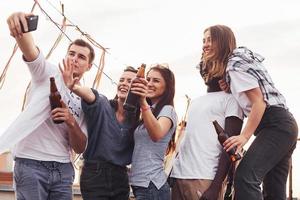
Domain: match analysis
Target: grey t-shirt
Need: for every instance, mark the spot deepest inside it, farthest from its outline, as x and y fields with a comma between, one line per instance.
x=148, y=156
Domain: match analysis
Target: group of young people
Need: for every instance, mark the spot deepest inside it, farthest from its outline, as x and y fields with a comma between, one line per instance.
x=111, y=138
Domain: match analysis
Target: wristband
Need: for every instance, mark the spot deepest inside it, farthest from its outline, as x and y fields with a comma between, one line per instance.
x=145, y=108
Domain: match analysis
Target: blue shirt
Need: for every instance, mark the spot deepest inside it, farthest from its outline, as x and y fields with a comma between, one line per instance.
x=148, y=156
x=108, y=140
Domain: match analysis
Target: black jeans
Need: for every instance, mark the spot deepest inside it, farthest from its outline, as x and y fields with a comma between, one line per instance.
x=268, y=158
x=101, y=180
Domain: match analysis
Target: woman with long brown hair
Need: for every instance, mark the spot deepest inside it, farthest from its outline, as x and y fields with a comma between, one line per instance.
x=267, y=159
x=151, y=137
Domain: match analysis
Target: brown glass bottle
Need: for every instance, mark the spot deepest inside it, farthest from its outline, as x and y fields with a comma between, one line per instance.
x=131, y=101
x=54, y=98
x=222, y=137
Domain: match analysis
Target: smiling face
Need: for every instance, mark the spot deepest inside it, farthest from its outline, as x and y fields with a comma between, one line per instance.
x=156, y=85
x=207, y=47
x=78, y=56
x=124, y=84
x=218, y=43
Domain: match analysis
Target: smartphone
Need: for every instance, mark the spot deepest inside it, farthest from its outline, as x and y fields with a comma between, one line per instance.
x=32, y=22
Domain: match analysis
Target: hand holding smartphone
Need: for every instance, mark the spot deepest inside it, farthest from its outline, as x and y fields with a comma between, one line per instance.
x=32, y=22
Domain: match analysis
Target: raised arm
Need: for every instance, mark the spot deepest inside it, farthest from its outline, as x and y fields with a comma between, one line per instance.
x=73, y=83
x=157, y=128
x=24, y=40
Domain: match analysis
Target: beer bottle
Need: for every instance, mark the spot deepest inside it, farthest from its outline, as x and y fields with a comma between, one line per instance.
x=131, y=101
x=222, y=137
x=54, y=98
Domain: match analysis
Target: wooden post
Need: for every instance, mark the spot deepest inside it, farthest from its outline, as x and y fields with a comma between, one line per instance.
x=291, y=181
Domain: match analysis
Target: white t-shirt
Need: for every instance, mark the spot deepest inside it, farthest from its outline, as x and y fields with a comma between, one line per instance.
x=200, y=150
x=48, y=141
x=242, y=82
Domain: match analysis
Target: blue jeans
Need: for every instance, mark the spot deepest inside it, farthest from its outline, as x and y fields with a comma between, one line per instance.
x=43, y=180
x=102, y=180
x=268, y=158
x=151, y=192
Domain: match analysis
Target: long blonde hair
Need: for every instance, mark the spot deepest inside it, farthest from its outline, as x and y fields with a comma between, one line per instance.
x=223, y=43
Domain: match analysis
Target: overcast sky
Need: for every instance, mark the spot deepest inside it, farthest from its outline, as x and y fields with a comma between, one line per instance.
x=159, y=31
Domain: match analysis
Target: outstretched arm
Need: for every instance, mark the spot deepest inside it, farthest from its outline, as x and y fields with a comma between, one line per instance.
x=85, y=93
x=233, y=125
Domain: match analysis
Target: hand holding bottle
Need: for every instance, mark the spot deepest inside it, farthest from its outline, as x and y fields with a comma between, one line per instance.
x=54, y=98
x=235, y=142
x=222, y=137
x=137, y=89
x=62, y=114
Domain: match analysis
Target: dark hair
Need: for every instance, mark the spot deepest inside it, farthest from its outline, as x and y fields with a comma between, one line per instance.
x=167, y=97
x=132, y=118
x=114, y=101
x=130, y=69
x=82, y=43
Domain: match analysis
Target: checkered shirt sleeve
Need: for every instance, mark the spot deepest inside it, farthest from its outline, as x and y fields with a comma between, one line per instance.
x=247, y=61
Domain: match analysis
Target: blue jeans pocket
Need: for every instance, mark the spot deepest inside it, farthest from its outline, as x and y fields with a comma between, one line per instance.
x=22, y=173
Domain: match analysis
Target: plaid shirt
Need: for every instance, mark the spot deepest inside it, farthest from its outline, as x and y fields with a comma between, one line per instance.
x=242, y=59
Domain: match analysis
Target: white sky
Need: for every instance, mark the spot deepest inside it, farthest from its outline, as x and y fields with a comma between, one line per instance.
x=156, y=31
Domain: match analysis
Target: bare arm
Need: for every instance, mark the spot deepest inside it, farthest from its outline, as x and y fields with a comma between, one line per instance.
x=77, y=138
x=254, y=118
x=257, y=112
x=157, y=128
x=233, y=126
x=24, y=40
x=85, y=93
